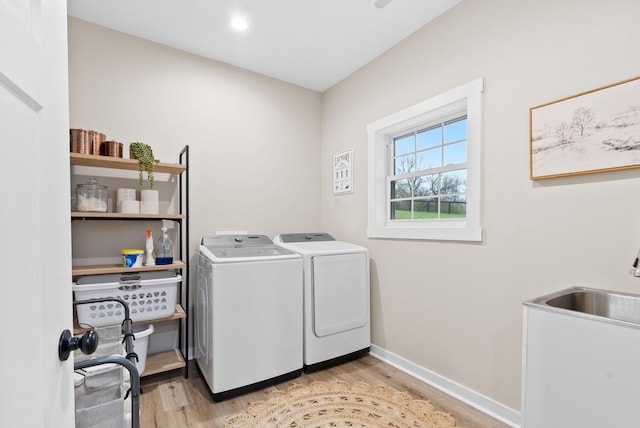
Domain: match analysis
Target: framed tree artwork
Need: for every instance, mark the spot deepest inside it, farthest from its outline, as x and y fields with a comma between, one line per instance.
x=595, y=131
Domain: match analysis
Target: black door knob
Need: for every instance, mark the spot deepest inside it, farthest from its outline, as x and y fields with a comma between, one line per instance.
x=87, y=343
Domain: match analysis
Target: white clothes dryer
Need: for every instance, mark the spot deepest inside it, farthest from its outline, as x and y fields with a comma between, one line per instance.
x=248, y=313
x=336, y=298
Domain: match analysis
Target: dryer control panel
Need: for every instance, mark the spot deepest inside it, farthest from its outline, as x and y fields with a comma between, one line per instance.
x=305, y=237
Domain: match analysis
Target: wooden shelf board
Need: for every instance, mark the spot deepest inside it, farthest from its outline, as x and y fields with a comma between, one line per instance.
x=163, y=362
x=178, y=314
x=116, y=216
x=120, y=163
x=118, y=268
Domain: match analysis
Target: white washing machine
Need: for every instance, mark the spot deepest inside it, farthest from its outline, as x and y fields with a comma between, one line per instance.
x=336, y=298
x=248, y=313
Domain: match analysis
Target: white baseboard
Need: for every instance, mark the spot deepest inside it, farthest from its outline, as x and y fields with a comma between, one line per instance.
x=462, y=393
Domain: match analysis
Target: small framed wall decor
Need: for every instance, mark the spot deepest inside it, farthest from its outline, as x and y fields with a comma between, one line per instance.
x=595, y=131
x=343, y=172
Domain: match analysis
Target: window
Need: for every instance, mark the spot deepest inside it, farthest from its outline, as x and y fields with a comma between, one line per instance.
x=424, y=169
x=429, y=175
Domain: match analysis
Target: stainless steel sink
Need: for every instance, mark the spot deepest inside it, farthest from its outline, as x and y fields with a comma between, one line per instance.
x=580, y=355
x=605, y=304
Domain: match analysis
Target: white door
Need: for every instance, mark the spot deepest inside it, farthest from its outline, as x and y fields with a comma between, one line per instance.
x=35, y=237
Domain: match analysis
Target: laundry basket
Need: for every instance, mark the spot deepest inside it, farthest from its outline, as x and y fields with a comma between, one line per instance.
x=141, y=334
x=150, y=295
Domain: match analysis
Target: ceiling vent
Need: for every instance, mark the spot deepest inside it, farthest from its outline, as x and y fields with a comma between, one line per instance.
x=379, y=4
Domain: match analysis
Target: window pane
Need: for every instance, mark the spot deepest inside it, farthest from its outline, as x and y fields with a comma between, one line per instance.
x=424, y=209
x=426, y=185
x=455, y=131
x=454, y=182
x=455, y=153
x=405, y=164
x=453, y=207
x=430, y=159
x=430, y=138
x=404, y=145
x=401, y=210
x=401, y=189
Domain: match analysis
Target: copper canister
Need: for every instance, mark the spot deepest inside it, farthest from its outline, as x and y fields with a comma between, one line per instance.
x=78, y=141
x=96, y=141
x=101, y=140
x=113, y=149
x=91, y=138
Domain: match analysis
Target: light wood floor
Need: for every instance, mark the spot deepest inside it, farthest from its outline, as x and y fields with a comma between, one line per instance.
x=171, y=401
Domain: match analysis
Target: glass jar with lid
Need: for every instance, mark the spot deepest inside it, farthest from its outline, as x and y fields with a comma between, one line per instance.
x=91, y=197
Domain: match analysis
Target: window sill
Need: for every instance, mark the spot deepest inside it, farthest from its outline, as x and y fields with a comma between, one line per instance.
x=449, y=233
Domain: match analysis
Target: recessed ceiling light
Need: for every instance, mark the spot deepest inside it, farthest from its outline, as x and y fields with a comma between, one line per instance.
x=239, y=23
x=379, y=4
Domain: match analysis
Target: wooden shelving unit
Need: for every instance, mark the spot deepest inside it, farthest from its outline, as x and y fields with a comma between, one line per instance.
x=171, y=359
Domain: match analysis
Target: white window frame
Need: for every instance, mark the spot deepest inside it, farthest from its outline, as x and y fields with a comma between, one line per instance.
x=465, y=99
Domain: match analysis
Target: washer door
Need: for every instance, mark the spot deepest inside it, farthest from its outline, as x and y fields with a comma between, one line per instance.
x=340, y=293
x=202, y=315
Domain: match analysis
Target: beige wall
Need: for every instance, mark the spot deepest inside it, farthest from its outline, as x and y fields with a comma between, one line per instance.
x=253, y=140
x=261, y=160
x=455, y=308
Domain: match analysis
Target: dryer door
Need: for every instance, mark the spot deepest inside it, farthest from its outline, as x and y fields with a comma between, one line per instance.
x=340, y=293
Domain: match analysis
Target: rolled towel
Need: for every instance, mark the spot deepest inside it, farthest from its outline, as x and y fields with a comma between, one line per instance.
x=149, y=195
x=126, y=195
x=129, y=207
x=149, y=207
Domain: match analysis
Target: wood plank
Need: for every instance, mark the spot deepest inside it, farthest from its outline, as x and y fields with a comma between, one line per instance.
x=120, y=163
x=175, y=395
x=163, y=362
x=79, y=215
x=118, y=268
x=178, y=314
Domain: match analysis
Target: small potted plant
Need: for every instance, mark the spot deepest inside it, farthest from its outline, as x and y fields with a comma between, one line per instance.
x=144, y=154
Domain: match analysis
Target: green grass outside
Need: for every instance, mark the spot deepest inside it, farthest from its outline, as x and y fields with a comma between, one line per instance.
x=421, y=215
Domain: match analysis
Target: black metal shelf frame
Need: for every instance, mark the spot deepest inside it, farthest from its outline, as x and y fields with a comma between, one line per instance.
x=183, y=184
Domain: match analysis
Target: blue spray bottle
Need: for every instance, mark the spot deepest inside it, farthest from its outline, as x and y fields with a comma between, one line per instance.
x=164, y=249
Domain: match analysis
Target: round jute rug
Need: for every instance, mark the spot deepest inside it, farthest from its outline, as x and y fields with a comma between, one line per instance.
x=340, y=404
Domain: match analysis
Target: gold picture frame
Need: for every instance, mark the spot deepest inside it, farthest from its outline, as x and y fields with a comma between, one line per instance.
x=591, y=132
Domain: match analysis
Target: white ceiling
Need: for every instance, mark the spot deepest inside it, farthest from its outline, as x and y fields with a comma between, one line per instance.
x=310, y=43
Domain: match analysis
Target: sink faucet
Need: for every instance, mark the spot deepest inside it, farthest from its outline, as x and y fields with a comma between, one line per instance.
x=635, y=270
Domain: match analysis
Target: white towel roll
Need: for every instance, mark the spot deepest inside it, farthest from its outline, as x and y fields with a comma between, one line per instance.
x=129, y=207
x=149, y=207
x=126, y=195
x=149, y=195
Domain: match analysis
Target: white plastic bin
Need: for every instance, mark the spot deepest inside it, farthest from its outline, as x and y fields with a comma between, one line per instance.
x=141, y=334
x=150, y=295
